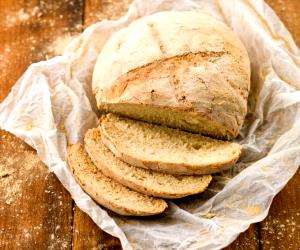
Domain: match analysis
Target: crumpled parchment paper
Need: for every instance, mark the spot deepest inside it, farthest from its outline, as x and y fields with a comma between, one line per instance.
x=52, y=105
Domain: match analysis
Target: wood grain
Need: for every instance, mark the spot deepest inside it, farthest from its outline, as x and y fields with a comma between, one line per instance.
x=246, y=241
x=29, y=30
x=98, y=10
x=281, y=229
x=35, y=210
x=289, y=13
x=86, y=235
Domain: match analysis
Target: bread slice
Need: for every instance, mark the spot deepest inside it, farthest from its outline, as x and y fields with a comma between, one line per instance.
x=142, y=180
x=165, y=149
x=108, y=192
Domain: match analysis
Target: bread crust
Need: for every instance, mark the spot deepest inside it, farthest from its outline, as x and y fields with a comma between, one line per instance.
x=180, y=61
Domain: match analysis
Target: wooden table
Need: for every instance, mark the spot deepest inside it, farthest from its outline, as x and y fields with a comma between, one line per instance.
x=36, y=211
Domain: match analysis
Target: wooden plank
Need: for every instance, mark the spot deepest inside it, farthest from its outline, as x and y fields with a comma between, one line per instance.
x=289, y=13
x=35, y=209
x=23, y=33
x=31, y=31
x=281, y=230
x=246, y=241
x=86, y=234
x=98, y=10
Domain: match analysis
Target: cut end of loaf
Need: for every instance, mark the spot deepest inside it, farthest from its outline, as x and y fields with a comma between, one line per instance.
x=174, y=118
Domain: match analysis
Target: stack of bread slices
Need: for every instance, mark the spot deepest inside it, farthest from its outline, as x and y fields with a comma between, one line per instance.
x=173, y=88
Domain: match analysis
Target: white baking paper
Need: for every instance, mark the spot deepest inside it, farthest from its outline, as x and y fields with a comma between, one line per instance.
x=52, y=104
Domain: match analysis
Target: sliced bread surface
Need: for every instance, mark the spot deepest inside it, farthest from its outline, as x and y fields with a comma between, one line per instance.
x=142, y=180
x=165, y=149
x=108, y=192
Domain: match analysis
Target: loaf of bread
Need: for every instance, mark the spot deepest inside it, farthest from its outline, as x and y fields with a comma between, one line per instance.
x=164, y=149
x=185, y=70
x=142, y=180
x=108, y=192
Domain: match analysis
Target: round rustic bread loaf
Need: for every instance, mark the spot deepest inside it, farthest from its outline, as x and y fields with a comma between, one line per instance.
x=185, y=70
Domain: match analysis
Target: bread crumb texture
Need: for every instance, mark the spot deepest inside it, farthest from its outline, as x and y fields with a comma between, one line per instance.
x=108, y=192
x=142, y=180
x=149, y=145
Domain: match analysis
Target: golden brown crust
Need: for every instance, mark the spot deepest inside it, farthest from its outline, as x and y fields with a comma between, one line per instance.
x=206, y=70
